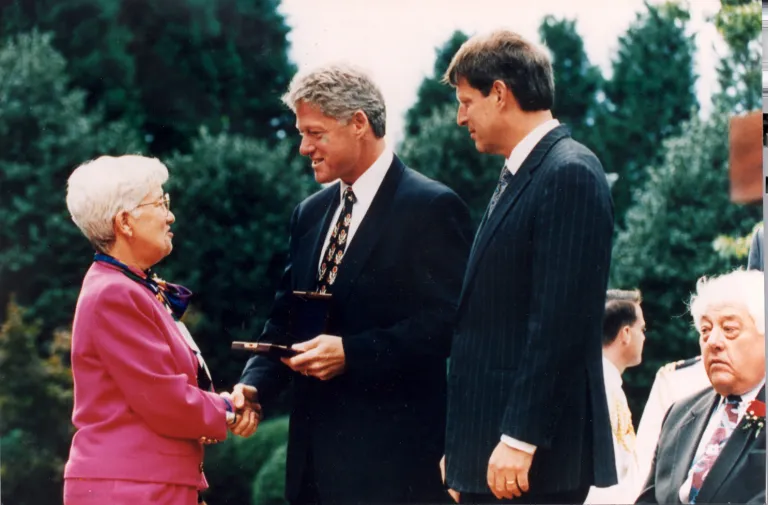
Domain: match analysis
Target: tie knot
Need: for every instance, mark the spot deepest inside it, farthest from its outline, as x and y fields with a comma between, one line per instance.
x=733, y=399
x=349, y=195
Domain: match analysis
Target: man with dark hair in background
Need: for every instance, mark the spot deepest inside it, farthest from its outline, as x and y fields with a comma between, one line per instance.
x=623, y=339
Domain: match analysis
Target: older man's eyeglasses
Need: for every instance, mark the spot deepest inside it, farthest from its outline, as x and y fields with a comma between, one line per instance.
x=165, y=201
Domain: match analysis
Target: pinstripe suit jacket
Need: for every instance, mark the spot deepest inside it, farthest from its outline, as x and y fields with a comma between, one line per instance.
x=526, y=356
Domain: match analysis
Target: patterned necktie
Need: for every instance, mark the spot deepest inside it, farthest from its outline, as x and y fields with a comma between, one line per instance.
x=504, y=178
x=329, y=267
x=703, y=465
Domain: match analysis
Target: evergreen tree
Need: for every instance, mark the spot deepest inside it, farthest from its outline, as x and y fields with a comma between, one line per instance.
x=44, y=134
x=675, y=227
x=87, y=33
x=435, y=146
x=668, y=242
x=433, y=93
x=740, y=71
x=443, y=151
x=233, y=198
x=222, y=64
x=36, y=405
x=649, y=95
x=170, y=67
x=577, y=81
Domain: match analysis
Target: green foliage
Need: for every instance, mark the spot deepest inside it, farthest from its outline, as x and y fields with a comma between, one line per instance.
x=269, y=484
x=740, y=71
x=650, y=93
x=735, y=247
x=439, y=149
x=221, y=64
x=433, y=93
x=234, y=465
x=668, y=242
x=44, y=133
x=233, y=199
x=36, y=405
x=88, y=34
x=623, y=120
x=577, y=81
x=171, y=67
x=445, y=152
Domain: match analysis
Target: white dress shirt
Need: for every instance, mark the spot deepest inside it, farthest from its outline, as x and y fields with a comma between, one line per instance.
x=364, y=188
x=516, y=158
x=627, y=469
x=714, y=422
x=521, y=151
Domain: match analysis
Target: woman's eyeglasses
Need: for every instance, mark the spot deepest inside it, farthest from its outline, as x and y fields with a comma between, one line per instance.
x=165, y=201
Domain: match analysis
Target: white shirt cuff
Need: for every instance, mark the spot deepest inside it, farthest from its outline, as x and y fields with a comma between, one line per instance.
x=518, y=444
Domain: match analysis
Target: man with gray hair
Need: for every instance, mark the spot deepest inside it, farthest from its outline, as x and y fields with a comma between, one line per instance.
x=712, y=444
x=390, y=247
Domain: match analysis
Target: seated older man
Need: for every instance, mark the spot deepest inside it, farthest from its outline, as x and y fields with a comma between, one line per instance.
x=712, y=444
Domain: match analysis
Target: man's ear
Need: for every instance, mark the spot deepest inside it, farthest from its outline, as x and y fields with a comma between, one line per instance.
x=499, y=91
x=360, y=122
x=626, y=335
x=503, y=96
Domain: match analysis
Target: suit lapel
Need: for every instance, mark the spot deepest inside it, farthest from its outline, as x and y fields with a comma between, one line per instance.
x=735, y=448
x=685, y=447
x=367, y=235
x=506, y=201
x=308, y=259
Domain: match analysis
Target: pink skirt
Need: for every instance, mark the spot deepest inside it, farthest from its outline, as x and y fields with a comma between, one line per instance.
x=126, y=492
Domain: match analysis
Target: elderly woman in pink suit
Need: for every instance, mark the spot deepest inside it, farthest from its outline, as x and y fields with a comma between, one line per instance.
x=144, y=405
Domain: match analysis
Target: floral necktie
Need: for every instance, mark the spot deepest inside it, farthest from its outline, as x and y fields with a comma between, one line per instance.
x=329, y=266
x=703, y=465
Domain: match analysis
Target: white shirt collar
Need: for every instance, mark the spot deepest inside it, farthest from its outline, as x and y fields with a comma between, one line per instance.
x=750, y=395
x=612, y=374
x=366, y=186
x=525, y=146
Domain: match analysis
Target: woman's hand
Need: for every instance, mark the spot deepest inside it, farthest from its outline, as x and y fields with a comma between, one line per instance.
x=247, y=410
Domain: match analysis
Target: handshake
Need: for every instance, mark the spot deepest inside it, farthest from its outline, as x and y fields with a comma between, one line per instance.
x=244, y=399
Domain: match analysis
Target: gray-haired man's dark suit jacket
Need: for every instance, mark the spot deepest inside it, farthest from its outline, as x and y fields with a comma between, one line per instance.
x=373, y=434
x=738, y=475
x=755, y=260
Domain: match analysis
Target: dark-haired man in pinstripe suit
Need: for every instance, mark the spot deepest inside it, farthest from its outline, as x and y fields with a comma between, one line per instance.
x=527, y=414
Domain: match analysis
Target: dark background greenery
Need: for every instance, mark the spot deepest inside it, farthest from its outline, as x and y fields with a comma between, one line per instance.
x=197, y=83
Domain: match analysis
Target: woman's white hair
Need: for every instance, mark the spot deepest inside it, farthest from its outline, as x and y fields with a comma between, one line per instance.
x=740, y=287
x=99, y=189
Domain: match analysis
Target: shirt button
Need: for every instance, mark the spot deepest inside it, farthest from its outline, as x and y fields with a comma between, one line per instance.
x=201, y=467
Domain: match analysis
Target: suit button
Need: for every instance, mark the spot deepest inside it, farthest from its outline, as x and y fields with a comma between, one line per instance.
x=201, y=467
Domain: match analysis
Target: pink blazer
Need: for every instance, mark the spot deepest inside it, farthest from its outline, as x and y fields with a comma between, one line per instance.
x=137, y=408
